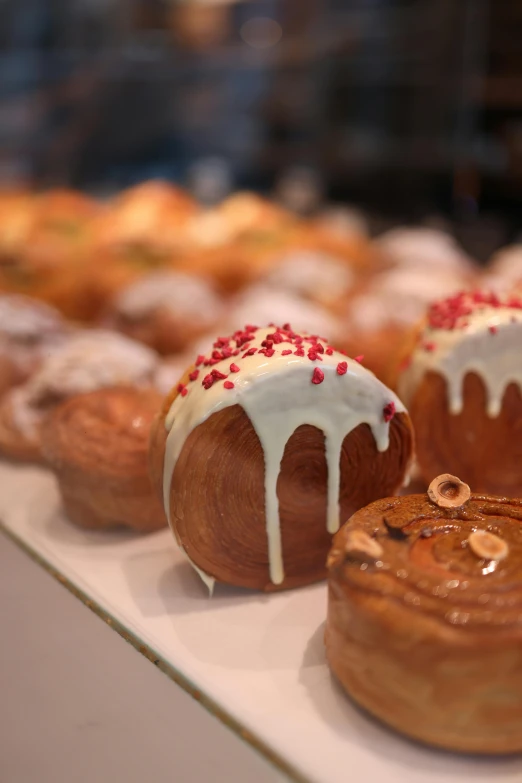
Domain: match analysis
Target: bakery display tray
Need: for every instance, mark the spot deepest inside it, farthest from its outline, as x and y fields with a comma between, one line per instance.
x=255, y=661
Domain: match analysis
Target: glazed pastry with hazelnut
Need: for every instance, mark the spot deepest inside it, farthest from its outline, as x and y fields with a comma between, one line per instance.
x=97, y=446
x=29, y=332
x=264, y=445
x=89, y=360
x=166, y=310
x=462, y=384
x=424, y=626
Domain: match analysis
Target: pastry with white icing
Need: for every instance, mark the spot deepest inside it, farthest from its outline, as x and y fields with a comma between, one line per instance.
x=423, y=248
x=89, y=360
x=97, y=446
x=266, y=444
x=167, y=310
x=29, y=332
x=462, y=384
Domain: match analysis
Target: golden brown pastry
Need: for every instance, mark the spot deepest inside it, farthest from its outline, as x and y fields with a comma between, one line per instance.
x=97, y=446
x=462, y=385
x=29, y=332
x=46, y=259
x=87, y=361
x=424, y=624
x=167, y=310
x=380, y=317
x=264, y=445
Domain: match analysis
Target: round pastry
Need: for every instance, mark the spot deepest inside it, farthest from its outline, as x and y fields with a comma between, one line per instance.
x=424, y=626
x=504, y=271
x=16, y=210
x=280, y=437
x=313, y=275
x=262, y=304
x=29, y=332
x=426, y=248
x=97, y=446
x=51, y=235
x=379, y=318
x=144, y=222
x=166, y=310
x=86, y=362
x=462, y=385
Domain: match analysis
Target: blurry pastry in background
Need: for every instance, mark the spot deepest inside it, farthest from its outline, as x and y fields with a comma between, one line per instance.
x=424, y=248
x=462, y=384
x=313, y=275
x=380, y=318
x=142, y=231
x=15, y=220
x=261, y=304
x=246, y=212
x=145, y=221
x=264, y=446
x=97, y=445
x=29, y=332
x=342, y=222
x=51, y=236
x=166, y=310
x=87, y=361
x=503, y=273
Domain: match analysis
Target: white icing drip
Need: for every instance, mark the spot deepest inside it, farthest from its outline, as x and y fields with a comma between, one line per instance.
x=278, y=396
x=312, y=274
x=181, y=295
x=494, y=357
x=92, y=360
x=261, y=304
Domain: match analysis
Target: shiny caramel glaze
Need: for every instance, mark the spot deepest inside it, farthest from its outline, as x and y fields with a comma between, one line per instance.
x=484, y=452
x=428, y=636
x=97, y=446
x=218, y=494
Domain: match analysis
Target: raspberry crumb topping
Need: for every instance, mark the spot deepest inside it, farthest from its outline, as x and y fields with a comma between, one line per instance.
x=282, y=341
x=451, y=313
x=359, y=358
x=388, y=411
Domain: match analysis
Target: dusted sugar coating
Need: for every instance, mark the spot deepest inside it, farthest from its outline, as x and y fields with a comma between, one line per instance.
x=424, y=625
x=284, y=381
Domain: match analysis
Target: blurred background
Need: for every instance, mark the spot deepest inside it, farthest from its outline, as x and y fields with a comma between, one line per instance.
x=410, y=109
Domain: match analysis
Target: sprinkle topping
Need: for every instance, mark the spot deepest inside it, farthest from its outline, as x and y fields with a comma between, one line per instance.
x=388, y=411
x=318, y=376
x=452, y=313
x=342, y=368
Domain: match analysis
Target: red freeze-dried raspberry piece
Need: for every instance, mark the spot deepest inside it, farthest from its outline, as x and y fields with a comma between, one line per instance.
x=493, y=329
x=359, y=358
x=329, y=351
x=219, y=376
x=286, y=352
x=182, y=389
x=250, y=352
x=194, y=375
x=430, y=347
x=200, y=360
x=234, y=367
x=388, y=411
x=208, y=381
x=299, y=352
x=318, y=376
x=342, y=368
x=227, y=352
x=267, y=351
x=228, y=385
